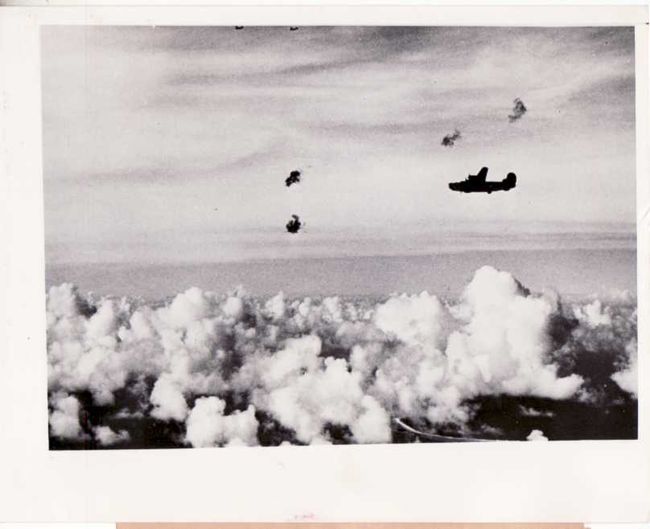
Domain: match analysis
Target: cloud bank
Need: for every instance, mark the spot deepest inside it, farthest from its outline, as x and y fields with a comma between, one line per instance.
x=217, y=370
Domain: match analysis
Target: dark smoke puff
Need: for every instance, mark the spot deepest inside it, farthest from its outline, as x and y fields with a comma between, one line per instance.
x=293, y=226
x=293, y=178
x=450, y=139
x=518, y=110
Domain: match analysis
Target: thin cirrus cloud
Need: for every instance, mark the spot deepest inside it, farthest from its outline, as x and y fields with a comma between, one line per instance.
x=205, y=115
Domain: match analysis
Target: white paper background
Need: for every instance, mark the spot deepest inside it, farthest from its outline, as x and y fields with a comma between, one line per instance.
x=507, y=481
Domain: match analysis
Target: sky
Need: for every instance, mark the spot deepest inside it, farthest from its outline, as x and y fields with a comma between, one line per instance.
x=172, y=144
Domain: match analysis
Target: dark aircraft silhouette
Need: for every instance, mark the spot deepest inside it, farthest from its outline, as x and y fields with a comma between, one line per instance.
x=239, y=27
x=293, y=178
x=294, y=224
x=293, y=28
x=476, y=183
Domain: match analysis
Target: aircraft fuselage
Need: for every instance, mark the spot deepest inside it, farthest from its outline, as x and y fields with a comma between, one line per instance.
x=478, y=184
x=480, y=187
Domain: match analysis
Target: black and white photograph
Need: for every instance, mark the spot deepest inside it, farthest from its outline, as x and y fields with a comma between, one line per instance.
x=300, y=235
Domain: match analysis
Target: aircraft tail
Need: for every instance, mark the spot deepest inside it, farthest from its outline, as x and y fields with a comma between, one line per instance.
x=478, y=177
x=510, y=180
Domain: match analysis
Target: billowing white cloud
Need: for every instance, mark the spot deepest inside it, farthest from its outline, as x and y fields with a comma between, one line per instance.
x=168, y=400
x=310, y=366
x=536, y=435
x=106, y=436
x=64, y=419
x=628, y=377
x=208, y=426
x=594, y=314
x=504, y=343
x=373, y=424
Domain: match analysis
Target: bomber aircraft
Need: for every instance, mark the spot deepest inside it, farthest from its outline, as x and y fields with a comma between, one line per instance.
x=476, y=183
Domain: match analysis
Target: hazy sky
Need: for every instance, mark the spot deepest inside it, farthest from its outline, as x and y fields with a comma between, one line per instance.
x=148, y=130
